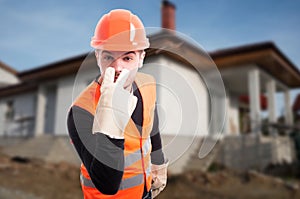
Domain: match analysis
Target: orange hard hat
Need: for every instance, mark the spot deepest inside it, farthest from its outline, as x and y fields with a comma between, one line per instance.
x=120, y=30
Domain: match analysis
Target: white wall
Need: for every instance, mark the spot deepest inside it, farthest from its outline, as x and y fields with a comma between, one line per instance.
x=181, y=96
x=68, y=88
x=51, y=96
x=24, y=107
x=2, y=116
x=232, y=123
x=63, y=102
x=7, y=78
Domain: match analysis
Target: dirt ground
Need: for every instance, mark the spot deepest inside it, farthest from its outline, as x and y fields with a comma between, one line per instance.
x=35, y=179
x=227, y=184
x=39, y=179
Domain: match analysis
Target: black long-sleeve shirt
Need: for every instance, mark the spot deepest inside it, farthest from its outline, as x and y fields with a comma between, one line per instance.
x=101, y=149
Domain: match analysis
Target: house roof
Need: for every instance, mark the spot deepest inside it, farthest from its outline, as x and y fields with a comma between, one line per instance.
x=53, y=70
x=169, y=43
x=17, y=88
x=30, y=79
x=266, y=55
x=8, y=68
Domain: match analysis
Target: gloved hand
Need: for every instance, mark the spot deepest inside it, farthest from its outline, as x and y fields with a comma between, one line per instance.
x=115, y=105
x=159, y=178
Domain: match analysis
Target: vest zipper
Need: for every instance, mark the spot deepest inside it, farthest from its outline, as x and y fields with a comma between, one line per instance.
x=143, y=163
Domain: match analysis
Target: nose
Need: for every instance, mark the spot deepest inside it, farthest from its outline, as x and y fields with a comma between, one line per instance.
x=118, y=65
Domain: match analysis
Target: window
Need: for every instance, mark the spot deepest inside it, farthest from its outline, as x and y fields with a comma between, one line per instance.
x=10, y=112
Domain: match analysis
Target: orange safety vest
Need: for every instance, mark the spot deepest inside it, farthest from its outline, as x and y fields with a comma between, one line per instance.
x=137, y=147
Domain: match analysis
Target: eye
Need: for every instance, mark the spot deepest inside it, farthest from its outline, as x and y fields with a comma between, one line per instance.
x=107, y=58
x=127, y=58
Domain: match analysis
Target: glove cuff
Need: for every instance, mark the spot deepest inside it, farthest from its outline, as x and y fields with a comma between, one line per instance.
x=155, y=167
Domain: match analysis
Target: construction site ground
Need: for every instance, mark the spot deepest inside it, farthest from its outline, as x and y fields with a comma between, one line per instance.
x=35, y=179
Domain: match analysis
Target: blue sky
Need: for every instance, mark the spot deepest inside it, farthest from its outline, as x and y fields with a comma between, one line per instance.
x=34, y=33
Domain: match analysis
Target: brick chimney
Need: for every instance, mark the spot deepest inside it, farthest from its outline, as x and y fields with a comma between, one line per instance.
x=168, y=15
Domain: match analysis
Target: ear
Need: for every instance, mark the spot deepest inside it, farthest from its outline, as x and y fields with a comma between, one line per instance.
x=98, y=61
x=97, y=57
x=96, y=54
x=142, y=56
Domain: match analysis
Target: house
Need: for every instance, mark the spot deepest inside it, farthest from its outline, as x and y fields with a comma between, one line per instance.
x=193, y=103
x=8, y=74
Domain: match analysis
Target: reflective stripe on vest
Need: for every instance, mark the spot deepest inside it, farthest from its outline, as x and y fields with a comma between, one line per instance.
x=130, y=159
x=125, y=184
x=136, y=156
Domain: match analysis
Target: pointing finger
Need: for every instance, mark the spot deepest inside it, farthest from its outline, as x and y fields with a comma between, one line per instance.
x=122, y=77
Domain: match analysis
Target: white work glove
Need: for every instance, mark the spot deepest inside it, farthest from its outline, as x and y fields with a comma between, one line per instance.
x=115, y=105
x=159, y=178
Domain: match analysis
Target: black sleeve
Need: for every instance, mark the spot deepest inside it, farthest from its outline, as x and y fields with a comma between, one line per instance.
x=102, y=156
x=157, y=156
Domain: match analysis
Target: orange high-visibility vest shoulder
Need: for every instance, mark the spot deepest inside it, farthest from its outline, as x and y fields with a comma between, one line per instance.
x=137, y=146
